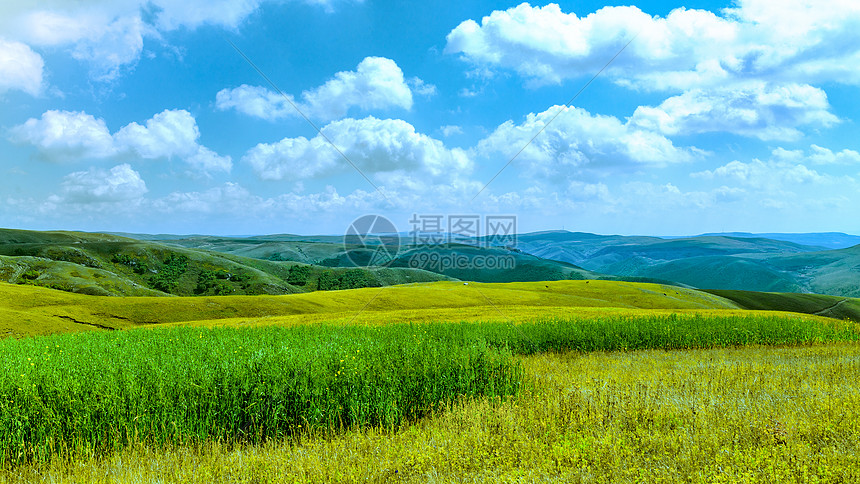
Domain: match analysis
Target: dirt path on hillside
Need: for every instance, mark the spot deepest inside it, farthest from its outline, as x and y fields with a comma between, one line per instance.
x=828, y=308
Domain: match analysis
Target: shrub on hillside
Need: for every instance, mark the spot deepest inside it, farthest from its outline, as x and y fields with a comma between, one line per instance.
x=137, y=265
x=167, y=278
x=351, y=279
x=299, y=275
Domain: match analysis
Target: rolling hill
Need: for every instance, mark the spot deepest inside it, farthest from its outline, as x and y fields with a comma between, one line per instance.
x=816, y=304
x=709, y=262
x=27, y=310
x=459, y=261
x=281, y=264
x=825, y=240
x=102, y=264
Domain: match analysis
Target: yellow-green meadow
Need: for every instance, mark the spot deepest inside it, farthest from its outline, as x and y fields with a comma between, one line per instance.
x=567, y=381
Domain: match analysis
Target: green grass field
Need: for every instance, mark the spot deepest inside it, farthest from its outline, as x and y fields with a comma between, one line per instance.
x=573, y=381
x=181, y=386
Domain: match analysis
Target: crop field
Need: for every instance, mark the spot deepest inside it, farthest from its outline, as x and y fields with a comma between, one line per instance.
x=73, y=397
x=724, y=415
x=591, y=381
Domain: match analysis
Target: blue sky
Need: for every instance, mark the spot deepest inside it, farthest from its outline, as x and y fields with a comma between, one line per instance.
x=139, y=115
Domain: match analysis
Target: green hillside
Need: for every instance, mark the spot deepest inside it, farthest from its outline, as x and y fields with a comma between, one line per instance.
x=712, y=262
x=832, y=272
x=27, y=310
x=715, y=272
x=459, y=261
x=276, y=248
x=598, y=252
x=817, y=304
x=492, y=264
x=101, y=264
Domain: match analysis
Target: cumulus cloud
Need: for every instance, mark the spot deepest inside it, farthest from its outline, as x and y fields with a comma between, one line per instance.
x=818, y=155
x=588, y=192
x=167, y=134
x=119, y=184
x=668, y=196
x=20, y=68
x=756, y=109
x=109, y=35
x=795, y=41
x=577, y=142
x=373, y=145
x=256, y=101
x=771, y=175
x=68, y=136
x=421, y=88
x=232, y=199
x=450, y=130
x=377, y=83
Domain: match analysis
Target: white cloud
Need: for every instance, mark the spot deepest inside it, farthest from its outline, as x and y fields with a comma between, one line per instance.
x=117, y=45
x=824, y=156
x=66, y=135
x=255, y=101
x=232, y=201
x=109, y=35
x=817, y=155
x=578, y=142
x=450, y=130
x=373, y=145
x=771, y=176
x=422, y=88
x=167, y=134
x=795, y=41
x=757, y=109
x=191, y=14
x=292, y=158
x=206, y=161
x=588, y=192
x=69, y=136
x=640, y=195
x=376, y=84
x=120, y=184
x=230, y=198
x=20, y=68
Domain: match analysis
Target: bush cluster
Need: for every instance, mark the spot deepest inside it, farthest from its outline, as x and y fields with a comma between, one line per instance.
x=167, y=278
x=349, y=279
x=136, y=265
x=299, y=275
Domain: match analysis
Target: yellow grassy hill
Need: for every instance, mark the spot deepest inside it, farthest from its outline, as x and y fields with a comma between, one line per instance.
x=27, y=310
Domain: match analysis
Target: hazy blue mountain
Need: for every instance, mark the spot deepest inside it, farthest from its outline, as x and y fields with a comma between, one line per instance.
x=828, y=240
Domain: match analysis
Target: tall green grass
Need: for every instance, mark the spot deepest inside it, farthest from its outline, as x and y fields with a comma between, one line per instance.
x=673, y=331
x=81, y=394
x=73, y=394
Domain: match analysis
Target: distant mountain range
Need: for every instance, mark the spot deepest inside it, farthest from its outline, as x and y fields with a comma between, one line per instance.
x=827, y=240
x=112, y=264
x=708, y=262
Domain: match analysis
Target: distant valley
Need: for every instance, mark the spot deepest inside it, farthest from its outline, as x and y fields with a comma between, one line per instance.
x=113, y=264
